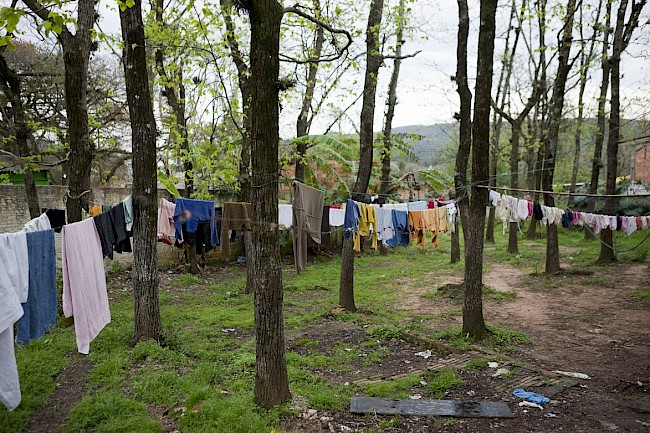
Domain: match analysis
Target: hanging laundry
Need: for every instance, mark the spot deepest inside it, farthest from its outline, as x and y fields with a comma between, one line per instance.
x=522, y=210
x=165, y=228
x=452, y=215
x=236, y=216
x=567, y=218
x=41, y=222
x=385, y=229
x=401, y=225
x=285, y=216
x=106, y=233
x=417, y=205
x=324, y=230
x=111, y=228
x=631, y=225
x=128, y=213
x=191, y=212
x=337, y=216
x=56, y=217
x=494, y=198
x=10, y=312
x=122, y=241
x=367, y=218
x=351, y=219
x=84, y=282
x=307, y=219
x=14, y=259
x=537, y=211
x=418, y=226
x=41, y=306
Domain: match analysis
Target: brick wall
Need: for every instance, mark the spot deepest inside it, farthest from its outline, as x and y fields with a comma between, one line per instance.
x=642, y=164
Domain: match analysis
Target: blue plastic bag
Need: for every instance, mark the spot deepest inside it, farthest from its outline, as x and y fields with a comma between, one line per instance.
x=530, y=396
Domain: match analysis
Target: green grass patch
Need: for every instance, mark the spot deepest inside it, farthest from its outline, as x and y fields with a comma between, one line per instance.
x=398, y=388
x=186, y=280
x=110, y=412
x=440, y=381
x=642, y=295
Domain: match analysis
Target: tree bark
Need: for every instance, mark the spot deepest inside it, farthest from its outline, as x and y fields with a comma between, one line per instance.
x=551, y=135
x=473, y=322
x=373, y=63
x=271, y=379
x=148, y=324
x=465, y=127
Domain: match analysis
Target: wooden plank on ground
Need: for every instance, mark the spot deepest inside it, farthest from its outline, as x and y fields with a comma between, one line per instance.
x=463, y=409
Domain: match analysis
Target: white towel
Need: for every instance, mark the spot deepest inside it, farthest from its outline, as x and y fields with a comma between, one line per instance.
x=84, y=281
x=37, y=224
x=14, y=258
x=10, y=312
x=285, y=216
x=337, y=217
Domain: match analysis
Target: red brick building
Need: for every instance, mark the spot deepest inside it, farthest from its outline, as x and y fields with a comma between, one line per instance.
x=642, y=163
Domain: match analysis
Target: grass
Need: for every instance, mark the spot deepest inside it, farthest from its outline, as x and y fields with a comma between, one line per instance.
x=441, y=381
x=499, y=338
x=642, y=295
x=204, y=377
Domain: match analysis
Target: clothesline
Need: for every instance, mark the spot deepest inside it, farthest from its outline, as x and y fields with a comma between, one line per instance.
x=577, y=194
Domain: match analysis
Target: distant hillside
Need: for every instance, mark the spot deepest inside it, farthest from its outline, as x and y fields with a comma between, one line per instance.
x=428, y=149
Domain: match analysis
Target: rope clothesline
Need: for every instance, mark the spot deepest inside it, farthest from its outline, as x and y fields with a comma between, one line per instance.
x=563, y=193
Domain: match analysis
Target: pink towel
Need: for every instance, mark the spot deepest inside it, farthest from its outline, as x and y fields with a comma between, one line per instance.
x=166, y=226
x=84, y=281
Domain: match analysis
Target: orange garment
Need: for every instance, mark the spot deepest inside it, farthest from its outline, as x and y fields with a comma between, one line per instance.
x=94, y=210
x=430, y=218
x=367, y=216
x=417, y=227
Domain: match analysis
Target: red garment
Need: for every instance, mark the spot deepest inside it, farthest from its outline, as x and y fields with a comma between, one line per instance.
x=335, y=206
x=431, y=204
x=639, y=223
x=530, y=208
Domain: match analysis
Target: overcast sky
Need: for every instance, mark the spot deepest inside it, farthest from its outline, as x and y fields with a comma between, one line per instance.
x=426, y=94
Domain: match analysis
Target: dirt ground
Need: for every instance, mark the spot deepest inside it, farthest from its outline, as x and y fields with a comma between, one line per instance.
x=581, y=323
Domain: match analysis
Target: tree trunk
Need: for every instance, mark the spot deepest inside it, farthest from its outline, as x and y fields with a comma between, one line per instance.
x=585, y=62
x=465, y=129
x=346, y=292
x=596, y=163
x=373, y=63
x=513, y=247
x=148, y=324
x=391, y=102
x=473, y=322
x=271, y=380
x=551, y=135
x=304, y=120
x=622, y=35
x=23, y=135
x=76, y=55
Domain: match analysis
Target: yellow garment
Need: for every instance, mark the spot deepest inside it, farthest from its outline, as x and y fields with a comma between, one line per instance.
x=441, y=213
x=367, y=216
x=95, y=210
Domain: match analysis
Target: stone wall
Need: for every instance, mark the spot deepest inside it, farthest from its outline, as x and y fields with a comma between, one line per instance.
x=14, y=213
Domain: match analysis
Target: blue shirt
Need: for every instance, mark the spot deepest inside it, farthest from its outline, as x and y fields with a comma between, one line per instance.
x=192, y=212
x=401, y=226
x=351, y=218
